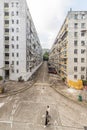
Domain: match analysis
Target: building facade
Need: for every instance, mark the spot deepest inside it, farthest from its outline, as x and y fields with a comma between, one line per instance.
x=20, y=49
x=69, y=51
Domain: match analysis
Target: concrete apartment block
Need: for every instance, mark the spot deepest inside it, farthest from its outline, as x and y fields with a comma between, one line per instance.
x=20, y=49
x=69, y=51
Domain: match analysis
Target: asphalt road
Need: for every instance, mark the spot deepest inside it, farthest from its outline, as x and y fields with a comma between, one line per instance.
x=26, y=111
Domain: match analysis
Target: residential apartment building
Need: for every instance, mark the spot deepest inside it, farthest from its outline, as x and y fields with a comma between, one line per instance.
x=20, y=49
x=69, y=51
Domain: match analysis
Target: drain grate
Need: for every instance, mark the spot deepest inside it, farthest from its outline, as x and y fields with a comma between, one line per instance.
x=85, y=127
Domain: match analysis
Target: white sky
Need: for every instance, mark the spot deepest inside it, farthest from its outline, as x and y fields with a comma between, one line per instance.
x=48, y=16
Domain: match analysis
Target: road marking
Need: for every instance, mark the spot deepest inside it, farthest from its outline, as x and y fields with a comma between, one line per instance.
x=43, y=76
x=46, y=84
x=14, y=108
x=43, y=116
x=8, y=122
x=55, y=122
x=1, y=104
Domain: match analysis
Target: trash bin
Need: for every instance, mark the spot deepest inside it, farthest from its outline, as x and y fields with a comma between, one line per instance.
x=80, y=98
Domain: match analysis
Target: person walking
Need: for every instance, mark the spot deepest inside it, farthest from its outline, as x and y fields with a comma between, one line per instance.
x=47, y=116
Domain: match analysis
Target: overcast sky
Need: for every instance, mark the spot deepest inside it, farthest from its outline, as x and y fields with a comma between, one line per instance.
x=49, y=15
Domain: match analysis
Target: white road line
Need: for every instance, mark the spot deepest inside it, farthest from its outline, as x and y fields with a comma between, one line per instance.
x=14, y=108
x=44, y=76
x=1, y=104
x=8, y=122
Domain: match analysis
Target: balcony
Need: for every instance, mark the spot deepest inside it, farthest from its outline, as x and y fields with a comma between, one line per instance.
x=6, y=66
x=6, y=17
x=6, y=33
x=6, y=58
x=6, y=42
x=6, y=25
x=6, y=50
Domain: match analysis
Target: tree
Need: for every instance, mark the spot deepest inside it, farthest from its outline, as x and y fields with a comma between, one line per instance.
x=46, y=56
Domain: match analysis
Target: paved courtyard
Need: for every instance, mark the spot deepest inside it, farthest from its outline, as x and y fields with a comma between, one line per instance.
x=26, y=110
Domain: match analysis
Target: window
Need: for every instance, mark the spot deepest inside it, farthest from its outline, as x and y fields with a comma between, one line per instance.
x=82, y=76
x=6, y=38
x=12, y=54
x=82, y=68
x=17, y=38
x=7, y=46
x=12, y=4
x=75, y=76
x=75, y=68
x=17, y=71
x=82, y=25
x=82, y=33
x=12, y=21
x=75, y=51
x=17, y=62
x=75, y=25
x=76, y=16
x=6, y=30
x=6, y=13
x=82, y=43
x=12, y=46
x=82, y=60
x=17, y=13
x=12, y=13
x=83, y=16
x=75, y=34
x=12, y=29
x=6, y=21
x=17, y=54
x=82, y=51
x=75, y=60
x=12, y=38
x=75, y=43
x=17, y=4
x=17, y=29
x=17, y=21
x=6, y=5
x=12, y=62
x=12, y=70
x=17, y=46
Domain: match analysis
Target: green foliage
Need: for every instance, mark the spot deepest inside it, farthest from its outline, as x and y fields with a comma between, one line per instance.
x=46, y=56
x=1, y=78
x=64, y=78
x=84, y=82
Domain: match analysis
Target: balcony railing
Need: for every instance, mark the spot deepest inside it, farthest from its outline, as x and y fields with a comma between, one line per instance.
x=6, y=17
x=6, y=42
x=6, y=25
x=6, y=58
x=6, y=66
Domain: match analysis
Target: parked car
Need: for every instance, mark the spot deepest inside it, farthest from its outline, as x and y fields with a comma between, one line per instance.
x=52, y=70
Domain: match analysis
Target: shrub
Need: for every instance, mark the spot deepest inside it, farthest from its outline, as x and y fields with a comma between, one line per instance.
x=64, y=78
x=84, y=82
x=1, y=78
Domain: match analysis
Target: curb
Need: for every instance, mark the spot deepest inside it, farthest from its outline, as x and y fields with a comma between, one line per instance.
x=17, y=91
x=75, y=101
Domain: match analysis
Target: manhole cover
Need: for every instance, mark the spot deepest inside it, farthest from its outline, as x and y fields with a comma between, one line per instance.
x=85, y=127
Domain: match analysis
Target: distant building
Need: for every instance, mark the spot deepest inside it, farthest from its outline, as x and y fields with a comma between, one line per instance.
x=20, y=49
x=69, y=51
